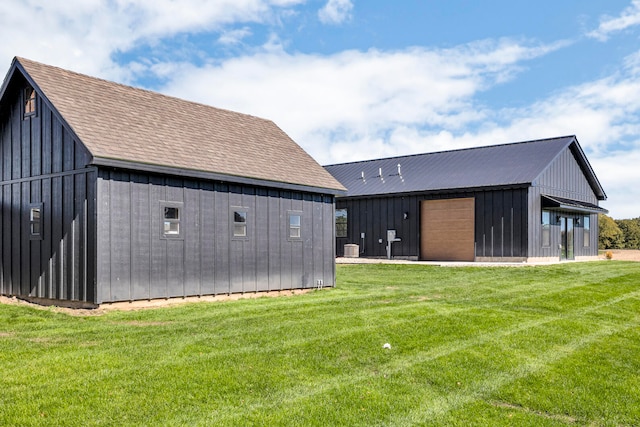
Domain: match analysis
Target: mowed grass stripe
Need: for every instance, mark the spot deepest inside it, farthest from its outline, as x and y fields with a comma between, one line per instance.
x=315, y=390
x=317, y=358
x=432, y=409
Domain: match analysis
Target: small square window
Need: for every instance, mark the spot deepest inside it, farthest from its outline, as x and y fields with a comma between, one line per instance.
x=35, y=222
x=239, y=223
x=294, y=226
x=171, y=220
x=29, y=102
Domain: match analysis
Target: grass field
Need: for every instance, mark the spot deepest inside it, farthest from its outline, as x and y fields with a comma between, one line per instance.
x=532, y=346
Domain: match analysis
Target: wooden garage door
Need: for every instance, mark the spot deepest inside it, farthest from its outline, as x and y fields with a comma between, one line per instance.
x=447, y=230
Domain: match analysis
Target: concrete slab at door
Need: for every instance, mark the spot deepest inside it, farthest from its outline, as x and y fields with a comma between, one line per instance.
x=447, y=229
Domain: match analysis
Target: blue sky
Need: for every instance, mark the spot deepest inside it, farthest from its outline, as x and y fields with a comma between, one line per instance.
x=351, y=80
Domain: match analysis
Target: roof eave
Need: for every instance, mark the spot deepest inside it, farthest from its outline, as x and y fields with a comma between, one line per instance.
x=589, y=172
x=584, y=164
x=574, y=206
x=439, y=191
x=212, y=176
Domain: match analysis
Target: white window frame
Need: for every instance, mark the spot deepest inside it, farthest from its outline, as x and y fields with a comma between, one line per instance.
x=171, y=222
x=239, y=229
x=295, y=231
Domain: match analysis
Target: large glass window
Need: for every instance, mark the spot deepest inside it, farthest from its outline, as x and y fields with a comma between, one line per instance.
x=341, y=223
x=586, y=226
x=546, y=228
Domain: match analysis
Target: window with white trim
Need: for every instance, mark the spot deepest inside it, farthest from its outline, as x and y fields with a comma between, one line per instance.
x=171, y=216
x=295, y=226
x=239, y=222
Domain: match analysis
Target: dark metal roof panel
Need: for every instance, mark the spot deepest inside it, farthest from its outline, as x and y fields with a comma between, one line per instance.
x=491, y=166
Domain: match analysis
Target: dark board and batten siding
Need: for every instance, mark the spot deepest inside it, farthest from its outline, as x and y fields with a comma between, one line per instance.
x=43, y=165
x=500, y=223
x=102, y=219
x=136, y=262
x=563, y=178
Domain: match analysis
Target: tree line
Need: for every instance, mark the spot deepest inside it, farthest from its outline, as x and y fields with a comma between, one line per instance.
x=618, y=233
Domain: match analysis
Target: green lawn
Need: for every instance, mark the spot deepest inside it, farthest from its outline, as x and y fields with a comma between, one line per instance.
x=543, y=346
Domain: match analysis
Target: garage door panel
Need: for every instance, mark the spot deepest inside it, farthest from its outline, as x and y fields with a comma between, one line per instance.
x=443, y=227
x=451, y=238
x=447, y=230
x=453, y=253
x=449, y=204
x=462, y=217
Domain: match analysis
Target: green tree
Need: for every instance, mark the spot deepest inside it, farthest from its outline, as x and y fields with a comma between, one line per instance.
x=610, y=236
x=631, y=230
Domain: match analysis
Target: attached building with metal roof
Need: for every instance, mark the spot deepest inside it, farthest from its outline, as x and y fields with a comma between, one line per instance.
x=533, y=200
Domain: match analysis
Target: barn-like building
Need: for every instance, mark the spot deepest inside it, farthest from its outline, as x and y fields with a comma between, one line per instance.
x=112, y=193
x=519, y=202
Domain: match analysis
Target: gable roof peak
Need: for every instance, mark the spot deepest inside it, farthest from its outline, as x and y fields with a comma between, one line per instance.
x=137, y=126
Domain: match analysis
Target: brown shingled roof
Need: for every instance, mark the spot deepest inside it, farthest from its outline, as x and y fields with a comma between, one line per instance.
x=120, y=122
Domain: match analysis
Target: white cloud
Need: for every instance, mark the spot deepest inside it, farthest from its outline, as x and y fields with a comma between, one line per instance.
x=628, y=18
x=335, y=12
x=618, y=173
x=84, y=34
x=332, y=105
x=350, y=105
x=232, y=37
x=357, y=105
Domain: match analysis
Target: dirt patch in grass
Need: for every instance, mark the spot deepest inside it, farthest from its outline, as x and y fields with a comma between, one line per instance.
x=146, y=304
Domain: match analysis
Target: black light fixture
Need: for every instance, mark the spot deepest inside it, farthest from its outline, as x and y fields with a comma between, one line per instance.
x=405, y=215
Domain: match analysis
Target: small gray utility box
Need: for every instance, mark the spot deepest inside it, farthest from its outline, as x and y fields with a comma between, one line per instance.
x=391, y=238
